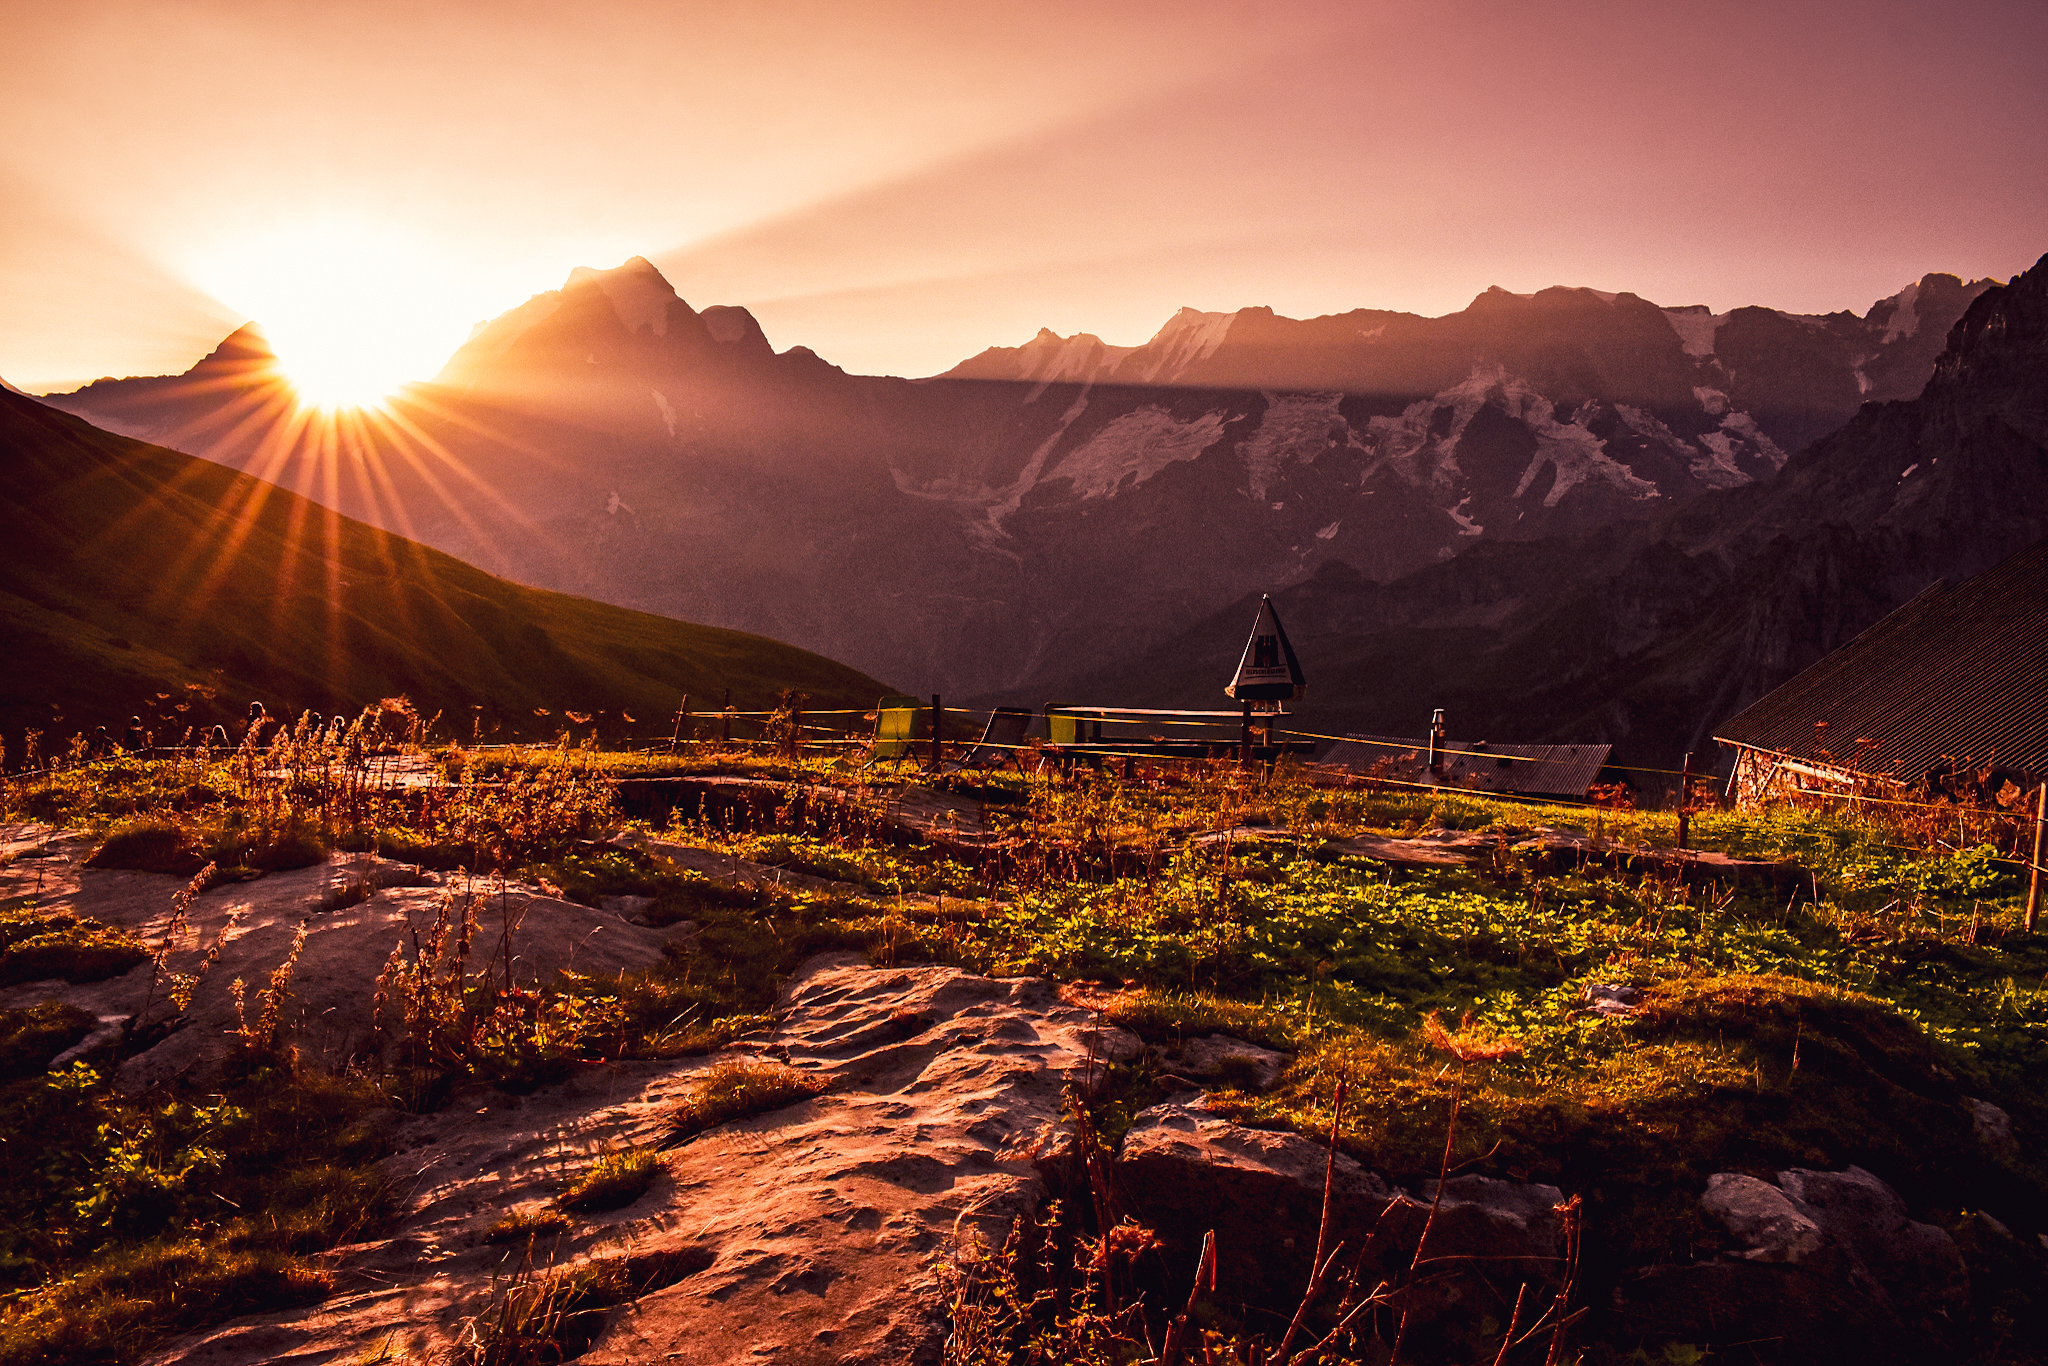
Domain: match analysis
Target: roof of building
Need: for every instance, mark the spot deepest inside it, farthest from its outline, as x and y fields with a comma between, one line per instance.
x=1476, y=765
x=1960, y=672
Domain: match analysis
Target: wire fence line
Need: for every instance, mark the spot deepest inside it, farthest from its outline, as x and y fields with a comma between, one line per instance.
x=798, y=728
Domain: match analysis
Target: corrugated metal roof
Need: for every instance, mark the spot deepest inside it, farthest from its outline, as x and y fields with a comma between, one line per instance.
x=1477, y=765
x=1959, y=672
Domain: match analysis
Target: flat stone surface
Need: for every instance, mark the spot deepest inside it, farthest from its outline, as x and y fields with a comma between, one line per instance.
x=328, y=1013
x=802, y=1236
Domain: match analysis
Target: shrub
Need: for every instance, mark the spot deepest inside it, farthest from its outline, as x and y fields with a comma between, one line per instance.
x=295, y=848
x=735, y=1089
x=148, y=846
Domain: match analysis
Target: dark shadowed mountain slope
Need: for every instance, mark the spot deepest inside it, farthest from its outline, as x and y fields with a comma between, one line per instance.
x=129, y=572
x=1045, y=510
x=1646, y=633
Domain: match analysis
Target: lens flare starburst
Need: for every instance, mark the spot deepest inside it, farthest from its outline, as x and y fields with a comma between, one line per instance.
x=353, y=310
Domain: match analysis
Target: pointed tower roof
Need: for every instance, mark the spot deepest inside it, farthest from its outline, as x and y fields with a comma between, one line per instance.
x=1268, y=672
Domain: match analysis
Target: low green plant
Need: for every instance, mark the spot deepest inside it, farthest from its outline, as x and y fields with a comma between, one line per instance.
x=109, y=1311
x=1164, y=1016
x=31, y=1037
x=737, y=1089
x=542, y=1319
x=614, y=1180
x=37, y=944
x=148, y=1217
x=524, y=1225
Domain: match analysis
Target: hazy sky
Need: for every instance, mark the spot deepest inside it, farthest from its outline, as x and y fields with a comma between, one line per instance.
x=898, y=185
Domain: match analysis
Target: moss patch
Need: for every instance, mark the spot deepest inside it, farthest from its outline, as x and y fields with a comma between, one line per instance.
x=35, y=945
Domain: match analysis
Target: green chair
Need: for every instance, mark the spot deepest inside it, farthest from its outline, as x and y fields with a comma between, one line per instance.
x=1061, y=727
x=895, y=729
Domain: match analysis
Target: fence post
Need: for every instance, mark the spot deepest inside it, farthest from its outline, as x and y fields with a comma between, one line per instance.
x=726, y=737
x=796, y=725
x=675, y=741
x=1685, y=800
x=1244, y=737
x=938, y=725
x=2034, y=866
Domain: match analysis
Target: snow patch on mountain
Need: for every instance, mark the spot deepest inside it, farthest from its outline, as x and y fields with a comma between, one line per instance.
x=1713, y=466
x=638, y=293
x=1422, y=449
x=988, y=508
x=1403, y=444
x=668, y=414
x=1050, y=359
x=1695, y=327
x=1466, y=526
x=1295, y=427
x=1905, y=319
x=1189, y=338
x=1012, y=497
x=1135, y=447
x=1712, y=401
x=1743, y=427
x=1577, y=456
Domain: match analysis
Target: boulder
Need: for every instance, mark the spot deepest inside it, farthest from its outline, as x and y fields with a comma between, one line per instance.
x=1764, y=1219
x=1993, y=1127
x=1186, y=1171
x=1828, y=1266
x=631, y=907
x=1606, y=999
x=1219, y=1060
x=1917, y=1265
x=1482, y=1216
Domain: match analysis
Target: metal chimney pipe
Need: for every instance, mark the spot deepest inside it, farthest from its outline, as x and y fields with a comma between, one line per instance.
x=1436, y=741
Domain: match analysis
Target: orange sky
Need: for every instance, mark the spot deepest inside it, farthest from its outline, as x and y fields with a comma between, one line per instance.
x=898, y=185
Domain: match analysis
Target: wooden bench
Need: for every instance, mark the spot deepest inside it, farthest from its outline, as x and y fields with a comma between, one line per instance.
x=1075, y=732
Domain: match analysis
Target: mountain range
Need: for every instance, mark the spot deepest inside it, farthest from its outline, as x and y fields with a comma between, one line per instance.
x=1065, y=516
x=1648, y=631
x=138, y=580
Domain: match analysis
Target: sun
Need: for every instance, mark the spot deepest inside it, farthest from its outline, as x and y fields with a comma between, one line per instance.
x=354, y=310
x=331, y=365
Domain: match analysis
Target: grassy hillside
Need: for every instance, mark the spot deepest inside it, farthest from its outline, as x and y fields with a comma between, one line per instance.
x=134, y=580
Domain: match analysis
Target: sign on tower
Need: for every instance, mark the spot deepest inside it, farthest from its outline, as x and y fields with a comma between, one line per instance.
x=1268, y=672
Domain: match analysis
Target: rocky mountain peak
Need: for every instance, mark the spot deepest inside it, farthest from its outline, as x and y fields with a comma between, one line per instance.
x=639, y=293
x=732, y=326
x=243, y=347
x=1496, y=297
